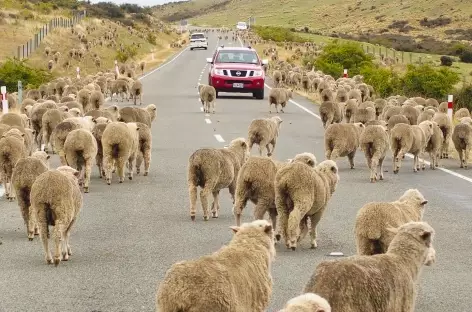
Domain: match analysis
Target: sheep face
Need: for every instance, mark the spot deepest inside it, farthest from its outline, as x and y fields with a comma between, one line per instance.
x=66, y=170
x=307, y=302
x=42, y=156
x=240, y=144
x=306, y=158
x=419, y=233
x=264, y=227
x=414, y=197
x=330, y=169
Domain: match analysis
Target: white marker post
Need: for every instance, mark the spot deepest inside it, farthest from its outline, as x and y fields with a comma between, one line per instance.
x=450, y=104
x=78, y=72
x=116, y=68
x=3, y=90
x=345, y=73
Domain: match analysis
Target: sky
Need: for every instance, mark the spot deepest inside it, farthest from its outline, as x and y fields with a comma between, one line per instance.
x=140, y=2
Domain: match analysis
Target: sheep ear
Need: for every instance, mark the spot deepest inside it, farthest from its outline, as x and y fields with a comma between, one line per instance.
x=137, y=128
x=235, y=229
x=76, y=173
x=424, y=202
x=334, y=169
x=47, y=157
x=94, y=120
x=426, y=237
x=243, y=144
x=311, y=163
x=22, y=135
x=268, y=229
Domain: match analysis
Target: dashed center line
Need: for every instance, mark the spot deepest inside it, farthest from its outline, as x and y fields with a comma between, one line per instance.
x=219, y=138
x=207, y=120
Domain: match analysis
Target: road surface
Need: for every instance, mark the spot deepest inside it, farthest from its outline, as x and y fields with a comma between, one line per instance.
x=129, y=234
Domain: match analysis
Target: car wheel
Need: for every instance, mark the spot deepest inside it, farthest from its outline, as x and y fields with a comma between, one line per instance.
x=191, y=49
x=217, y=95
x=206, y=48
x=259, y=94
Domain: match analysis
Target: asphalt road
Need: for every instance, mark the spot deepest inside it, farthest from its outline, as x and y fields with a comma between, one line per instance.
x=129, y=234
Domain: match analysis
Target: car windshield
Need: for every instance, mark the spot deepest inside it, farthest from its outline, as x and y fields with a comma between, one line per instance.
x=241, y=24
x=237, y=57
x=198, y=36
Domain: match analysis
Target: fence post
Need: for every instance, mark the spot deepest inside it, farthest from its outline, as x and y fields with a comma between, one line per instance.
x=31, y=46
x=19, y=52
x=27, y=48
x=450, y=105
x=3, y=90
x=20, y=92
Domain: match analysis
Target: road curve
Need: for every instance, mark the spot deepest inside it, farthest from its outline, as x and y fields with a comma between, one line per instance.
x=128, y=235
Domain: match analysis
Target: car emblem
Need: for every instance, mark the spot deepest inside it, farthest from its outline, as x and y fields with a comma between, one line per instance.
x=238, y=73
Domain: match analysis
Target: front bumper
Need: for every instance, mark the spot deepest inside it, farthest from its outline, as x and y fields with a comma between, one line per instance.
x=237, y=85
x=199, y=44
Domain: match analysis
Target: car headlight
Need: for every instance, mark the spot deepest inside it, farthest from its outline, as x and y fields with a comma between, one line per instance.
x=218, y=72
x=257, y=73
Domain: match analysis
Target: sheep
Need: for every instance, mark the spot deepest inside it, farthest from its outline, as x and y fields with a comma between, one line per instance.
x=364, y=114
x=12, y=120
x=462, y=140
x=408, y=139
x=120, y=143
x=98, y=133
x=144, y=148
x=59, y=135
x=96, y=100
x=256, y=183
x=427, y=114
x=12, y=149
x=214, y=169
x=207, y=97
x=85, y=122
x=134, y=114
x=51, y=118
x=80, y=148
x=152, y=110
x=56, y=206
x=395, y=119
x=374, y=143
x=279, y=96
x=330, y=112
x=434, y=145
x=461, y=112
x=384, y=282
x=264, y=131
x=277, y=77
x=308, y=302
x=445, y=124
x=342, y=140
x=137, y=91
x=303, y=192
x=225, y=283
x=374, y=219
x=25, y=173
x=350, y=109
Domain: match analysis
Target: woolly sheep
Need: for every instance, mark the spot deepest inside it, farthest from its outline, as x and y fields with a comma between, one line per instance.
x=434, y=145
x=12, y=149
x=411, y=113
x=51, y=118
x=342, y=140
x=12, y=120
x=98, y=133
x=120, y=142
x=85, y=122
x=445, y=124
x=25, y=173
x=350, y=109
x=221, y=281
x=59, y=135
x=152, y=110
x=134, y=114
x=379, y=106
x=396, y=119
x=256, y=183
x=279, y=96
x=374, y=143
x=59, y=207
x=214, y=169
x=384, y=282
x=137, y=91
x=303, y=192
x=207, y=97
x=461, y=112
x=330, y=112
x=80, y=149
x=308, y=302
x=364, y=114
x=427, y=114
x=374, y=219
x=390, y=111
x=264, y=131
x=144, y=148
x=462, y=140
x=96, y=100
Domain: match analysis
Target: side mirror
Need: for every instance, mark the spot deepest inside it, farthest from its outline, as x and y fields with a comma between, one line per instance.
x=265, y=62
x=209, y=60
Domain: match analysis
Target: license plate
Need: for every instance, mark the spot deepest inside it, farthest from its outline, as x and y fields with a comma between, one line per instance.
x=238, y=85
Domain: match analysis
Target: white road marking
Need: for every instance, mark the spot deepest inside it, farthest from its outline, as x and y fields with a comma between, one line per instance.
x=2, y=190
x=219, y=138
x=208, y=121
x=453, y=173
x=201, y=109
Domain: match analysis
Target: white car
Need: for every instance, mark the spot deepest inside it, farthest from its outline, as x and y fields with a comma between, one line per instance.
x=241, y=26
x=198, y=40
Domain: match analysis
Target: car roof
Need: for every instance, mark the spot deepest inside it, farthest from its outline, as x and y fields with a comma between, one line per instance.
x=197, y=33
x=236, y=49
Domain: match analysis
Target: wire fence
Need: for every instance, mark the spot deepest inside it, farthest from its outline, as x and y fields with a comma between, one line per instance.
x=30, y=46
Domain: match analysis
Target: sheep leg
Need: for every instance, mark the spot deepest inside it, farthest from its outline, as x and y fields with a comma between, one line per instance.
x=240, y=203
x=260, y=148
x=120, y=166
x=139, y=161
x=423, y=165
x=58, y=242
x=43, y=232
x=215, y=206
x=315, y=219
x=373, y=169
x=293, y=228
x=350, y=156
x=381, y=175
x=204, y=200
x=87, y=173
x=466, y=158
x=131, y=162
x=67, y=251
x=282, y=107
x=192, y=190
x=303, y=229
x=108, y=164
x=147, y=160
x=260, y=209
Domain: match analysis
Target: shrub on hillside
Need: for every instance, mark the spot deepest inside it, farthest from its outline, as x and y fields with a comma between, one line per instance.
x=385, y=81
x=129, y=52
x=277, y=34
x=337, y=56
x=466, y=56
x=424, y=80
x=446, y=60
x=463, y=97
x=14, y=70
x=151, y=38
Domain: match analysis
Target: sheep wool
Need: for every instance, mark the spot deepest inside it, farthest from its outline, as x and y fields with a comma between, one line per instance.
x=384, y=282
x=12, y=149
x=279, y=96
x=462, y=140
x=264, y=131
x=214, y=169
x=342, y=140
x=308, y=302
x=374, y=143
x=221, y=281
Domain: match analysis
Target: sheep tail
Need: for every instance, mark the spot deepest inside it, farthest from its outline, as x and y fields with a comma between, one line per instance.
x=255, y=137
x=370, y=149
x=272, y=99
x=50, y=216
x=115, y=150
x=444, y=131
x=80, y=159
x=196, y=175
x=25, y=195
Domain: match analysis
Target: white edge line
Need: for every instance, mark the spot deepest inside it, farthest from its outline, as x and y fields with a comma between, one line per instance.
x=208, y=121
x=201, y=109
x=458, y=175
x=219, y=138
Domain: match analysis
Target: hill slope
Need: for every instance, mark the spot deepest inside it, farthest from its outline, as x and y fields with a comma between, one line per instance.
x=383, y=21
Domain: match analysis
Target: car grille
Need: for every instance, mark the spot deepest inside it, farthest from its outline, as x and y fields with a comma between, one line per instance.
x=238, y=81
x=243, y=73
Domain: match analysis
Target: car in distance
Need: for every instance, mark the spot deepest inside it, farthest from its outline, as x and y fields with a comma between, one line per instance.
x=198, y=40
x=241, y=26
x=238, y=70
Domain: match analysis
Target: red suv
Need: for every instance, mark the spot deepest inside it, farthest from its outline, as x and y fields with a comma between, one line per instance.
x=237, y=69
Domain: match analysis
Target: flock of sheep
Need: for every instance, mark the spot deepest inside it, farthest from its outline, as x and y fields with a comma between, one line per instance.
x=393, y=242
x=68, y=117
